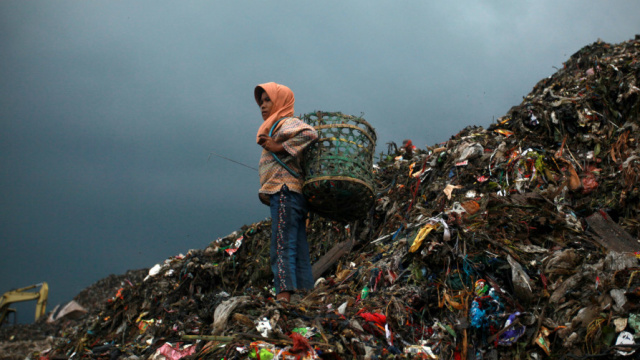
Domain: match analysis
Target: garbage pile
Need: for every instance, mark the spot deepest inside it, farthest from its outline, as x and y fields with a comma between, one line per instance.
x=94, y=296
x=17, y=341
x=516, y=241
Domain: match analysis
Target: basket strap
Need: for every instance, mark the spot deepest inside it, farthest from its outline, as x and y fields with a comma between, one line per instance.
x=295, y=174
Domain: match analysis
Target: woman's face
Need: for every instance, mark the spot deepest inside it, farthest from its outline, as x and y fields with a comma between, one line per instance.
x=265, y=105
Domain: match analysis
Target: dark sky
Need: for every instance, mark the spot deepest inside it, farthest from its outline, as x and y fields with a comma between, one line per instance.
x=110, y=109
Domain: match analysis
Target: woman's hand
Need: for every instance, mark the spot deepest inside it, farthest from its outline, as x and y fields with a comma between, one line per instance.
x=269, y=144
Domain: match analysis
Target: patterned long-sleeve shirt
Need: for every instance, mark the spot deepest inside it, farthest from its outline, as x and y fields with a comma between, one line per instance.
x=295, y=136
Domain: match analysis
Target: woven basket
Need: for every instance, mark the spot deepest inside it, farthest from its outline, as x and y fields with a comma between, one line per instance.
x=338, y=167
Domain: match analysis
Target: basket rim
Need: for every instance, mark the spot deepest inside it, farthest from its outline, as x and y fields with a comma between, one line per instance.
x=329, y=126
x=360, y=119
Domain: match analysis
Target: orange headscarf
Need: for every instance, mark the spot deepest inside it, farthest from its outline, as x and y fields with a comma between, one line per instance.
x=283, y=100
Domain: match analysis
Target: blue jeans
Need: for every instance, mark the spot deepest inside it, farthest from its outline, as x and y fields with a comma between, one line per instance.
x=290, y=260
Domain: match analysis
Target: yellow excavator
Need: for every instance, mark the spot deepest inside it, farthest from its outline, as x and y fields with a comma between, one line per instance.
x=23, y=294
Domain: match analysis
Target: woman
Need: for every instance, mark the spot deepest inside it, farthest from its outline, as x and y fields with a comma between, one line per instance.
x=281, y=187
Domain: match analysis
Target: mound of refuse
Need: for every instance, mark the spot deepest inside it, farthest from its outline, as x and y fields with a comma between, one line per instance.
x=516, y=241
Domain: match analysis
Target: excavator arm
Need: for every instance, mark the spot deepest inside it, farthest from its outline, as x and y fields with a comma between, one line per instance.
x=23, y=294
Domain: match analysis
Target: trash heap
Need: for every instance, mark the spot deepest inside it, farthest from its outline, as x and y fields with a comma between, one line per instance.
x=19, y=340
x=516, y=241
